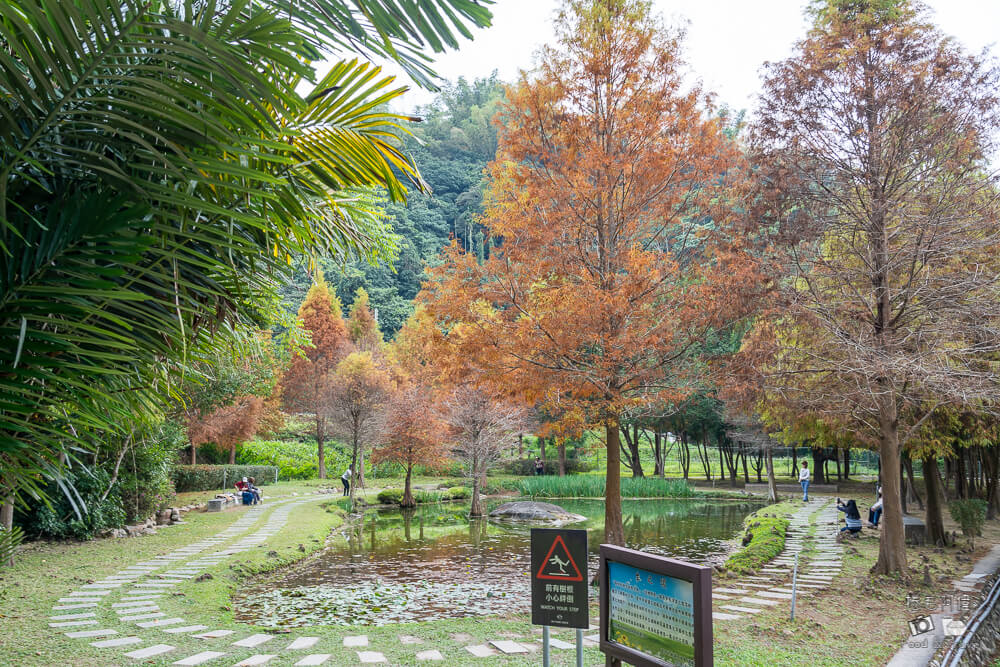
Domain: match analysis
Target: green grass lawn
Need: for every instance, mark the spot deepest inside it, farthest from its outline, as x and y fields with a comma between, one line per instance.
x=858, y=621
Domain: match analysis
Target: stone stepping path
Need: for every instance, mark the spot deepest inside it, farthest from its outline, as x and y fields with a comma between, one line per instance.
x=108, y=599
x=811, y=529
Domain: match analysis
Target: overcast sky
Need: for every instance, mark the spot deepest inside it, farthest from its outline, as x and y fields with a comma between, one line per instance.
x=727, y=42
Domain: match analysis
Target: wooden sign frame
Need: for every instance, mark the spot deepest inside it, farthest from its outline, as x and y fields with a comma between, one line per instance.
x=700, y=578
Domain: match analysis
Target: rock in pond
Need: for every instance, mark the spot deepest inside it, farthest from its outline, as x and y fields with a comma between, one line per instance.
x=529, y=511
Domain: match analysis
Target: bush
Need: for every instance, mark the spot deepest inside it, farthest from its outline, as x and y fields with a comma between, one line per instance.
x=294, y=460
x=144, y=481
x=592, y=486
x=390, y=496
x=970, y=515
x=9, y=541
x=764, y=540
x=215, y=478
x=59, y=520
x=458, y=493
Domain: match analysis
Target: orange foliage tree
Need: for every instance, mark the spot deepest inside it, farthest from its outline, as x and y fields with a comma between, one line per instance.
x=412, y=433
x=359, y=388
x=362, y=327
x=229, y=425
x=871, y=151
x=610, y=198
x=308, y=383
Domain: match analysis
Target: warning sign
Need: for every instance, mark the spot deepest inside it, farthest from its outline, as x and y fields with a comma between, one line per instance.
x=559, y=595
x=557, y=560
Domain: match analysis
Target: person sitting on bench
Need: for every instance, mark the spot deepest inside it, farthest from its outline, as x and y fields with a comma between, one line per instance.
x=851, y=516
x=875, y=513
x=254, y=490
x=241, y=485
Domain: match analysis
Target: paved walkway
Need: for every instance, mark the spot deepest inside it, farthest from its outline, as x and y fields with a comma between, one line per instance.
x=812, y=529
x=131, y=596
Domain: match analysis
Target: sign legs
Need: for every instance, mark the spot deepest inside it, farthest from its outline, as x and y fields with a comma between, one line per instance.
x=545, y=646
x=579, y=647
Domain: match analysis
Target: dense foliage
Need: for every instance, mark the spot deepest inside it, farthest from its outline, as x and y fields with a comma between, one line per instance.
x=219, y=478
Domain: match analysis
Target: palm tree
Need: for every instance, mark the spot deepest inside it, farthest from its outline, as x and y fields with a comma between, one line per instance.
x=159, y=164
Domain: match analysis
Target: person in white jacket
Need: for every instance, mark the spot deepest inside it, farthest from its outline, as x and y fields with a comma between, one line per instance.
x=804, y=481
x=875, y=513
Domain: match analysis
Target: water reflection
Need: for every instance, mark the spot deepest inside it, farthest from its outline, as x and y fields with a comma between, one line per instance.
x=438, y=542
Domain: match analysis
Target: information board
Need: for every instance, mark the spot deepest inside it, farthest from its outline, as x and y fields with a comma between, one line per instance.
x=559, y=578
x=655, y=611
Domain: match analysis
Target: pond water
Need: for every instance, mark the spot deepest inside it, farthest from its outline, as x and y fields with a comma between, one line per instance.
x=433, y=562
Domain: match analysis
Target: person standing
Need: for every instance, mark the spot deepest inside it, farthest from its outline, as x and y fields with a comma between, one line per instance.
x=346, y=479
x=804, y=481
x=539, y=466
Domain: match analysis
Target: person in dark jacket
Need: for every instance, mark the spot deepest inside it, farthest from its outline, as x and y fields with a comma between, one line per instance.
x=852, y=517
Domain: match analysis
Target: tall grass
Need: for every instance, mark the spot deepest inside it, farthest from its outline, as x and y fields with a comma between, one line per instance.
x=592, y=486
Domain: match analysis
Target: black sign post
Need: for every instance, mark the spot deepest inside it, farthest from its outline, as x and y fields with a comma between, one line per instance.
x=559, y=595
x=559, y=578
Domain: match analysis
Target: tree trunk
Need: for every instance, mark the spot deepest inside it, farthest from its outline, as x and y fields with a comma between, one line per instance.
x=817, y=475
x=684, y=451
x=913, y=494
x=847, y=463
x=360, y=473
x=892, y=545
x=232, y=455
x=354, y=469
x=407, y=492
x=561, y=449
x=321, y=453
x=194, y=454
x=772, y=483
x=795, y=462
x=991, y=466
x=476, y=509
x=933, y=516
x=614, y=531
x=836, y=456
x=520, y=445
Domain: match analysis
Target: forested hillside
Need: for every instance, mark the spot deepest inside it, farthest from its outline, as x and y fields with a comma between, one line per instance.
x=456, y=141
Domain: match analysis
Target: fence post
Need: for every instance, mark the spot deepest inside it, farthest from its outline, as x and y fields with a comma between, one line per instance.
x=224, y=471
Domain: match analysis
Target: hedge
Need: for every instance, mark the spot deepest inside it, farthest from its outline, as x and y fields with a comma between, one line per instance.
x=214, y=478
x=525, y=467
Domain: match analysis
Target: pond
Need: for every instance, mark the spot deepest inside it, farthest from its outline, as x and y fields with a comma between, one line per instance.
x=432, y=562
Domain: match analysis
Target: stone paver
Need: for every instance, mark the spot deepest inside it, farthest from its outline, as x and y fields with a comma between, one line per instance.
x=748, y=610
x=253, y=640
x=142, y=617
x=261, y=659
x=719, y=616
x=160, y=622
x=73, y=617
x=371, y=657
x=356, y=642
x=508, y=647
x=185, y=629
x=410, y=639
x=480, y=650
x=214, y=634
x=121, y=641
x=72, y=624
x=150, y=651
x=302, y=643
x=83, y=634
x=199, y=658
x=433, y=654
x=560, y=644
x=315, y=659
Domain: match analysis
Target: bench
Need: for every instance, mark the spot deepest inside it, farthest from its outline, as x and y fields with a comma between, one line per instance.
x=914, y=530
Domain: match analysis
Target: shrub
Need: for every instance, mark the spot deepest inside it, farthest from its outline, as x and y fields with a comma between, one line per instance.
x=458, y=493
x=421, y=496
x=214, y=478
x=144, y=481
x=526, y=467
x=764, y=540
x=390, y=496
x=294, y=460
x=970, y=515
x=59, y=520
x=592, y=486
